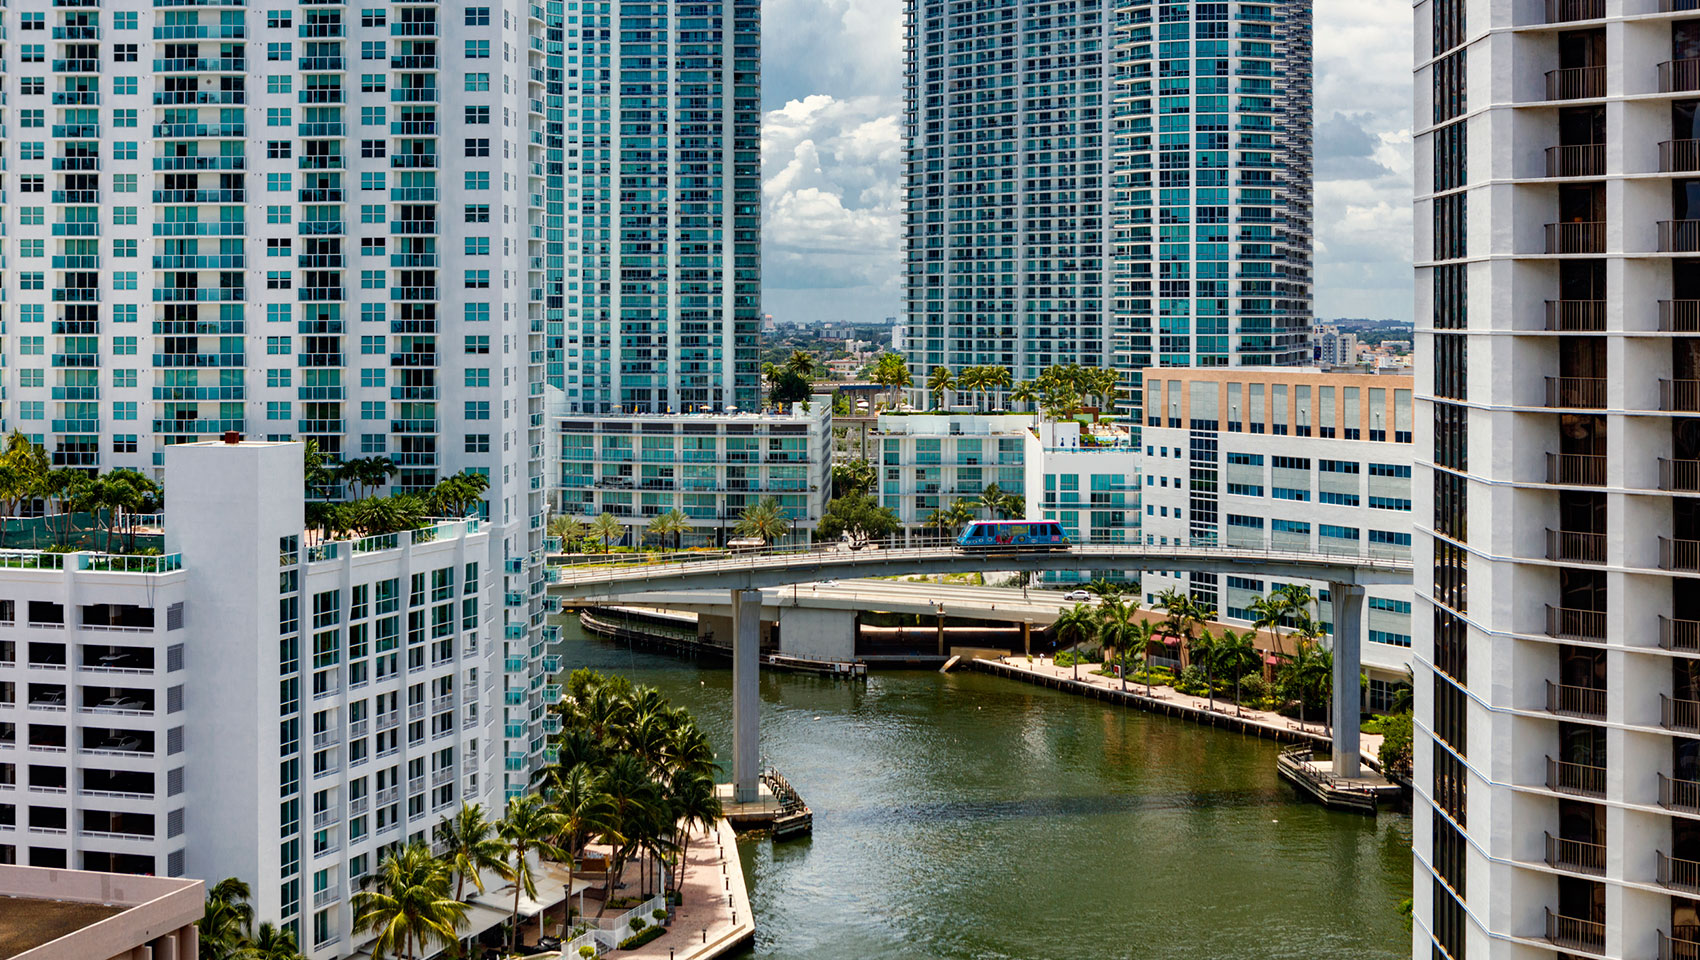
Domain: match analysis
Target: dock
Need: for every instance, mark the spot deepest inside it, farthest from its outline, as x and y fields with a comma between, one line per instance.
x=778, y=807
x=1299, y=766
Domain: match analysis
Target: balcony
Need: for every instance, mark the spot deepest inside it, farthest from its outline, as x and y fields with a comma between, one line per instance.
x=1679, y=635
x=1671, y=948
x=1573, y=546
x=1679, y=715
x=1576, y=469
x=1579, y=856
x=1566, y=11
x=1576, y=933
x=1679, y=555
x=1677, y=76
x=1678, y=874
x=1588, y=703
x=1586, y=236
x=1587, y=626
x=1581, y=779
x=1577, y=160
x=1576, y=83
x=1679, y=236
x=1679, y=395
x=1576, y=316
x=1679, y=156
x=1576, y=393
x=1681, y=795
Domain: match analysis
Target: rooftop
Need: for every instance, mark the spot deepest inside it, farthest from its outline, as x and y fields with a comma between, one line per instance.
x=51, y=914
x=31, y=922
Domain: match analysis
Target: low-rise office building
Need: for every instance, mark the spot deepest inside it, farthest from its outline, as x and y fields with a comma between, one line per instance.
x=252, y=702
x=709, y=466
x=61, y=914
x=927, y=461
x=1285, y=459
x=1085, y=476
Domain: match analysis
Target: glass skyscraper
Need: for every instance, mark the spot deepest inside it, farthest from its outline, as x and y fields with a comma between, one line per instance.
x=663, y=154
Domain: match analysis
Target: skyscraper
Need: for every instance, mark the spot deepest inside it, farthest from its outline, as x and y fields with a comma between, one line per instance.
x=301, y=222
x=665, y=158
x=1212, y=200
x=1558, y=737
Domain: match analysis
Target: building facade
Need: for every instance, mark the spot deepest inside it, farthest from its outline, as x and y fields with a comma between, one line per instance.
x=313, y=223
x=251, y=703
x=1285, y=459
x=708, y=466
x=1558, y=195
x=927, y=462
x=1212, y=203
x=1086, y=476
x=1006, y=160
x=100, y=916
x=663, y=152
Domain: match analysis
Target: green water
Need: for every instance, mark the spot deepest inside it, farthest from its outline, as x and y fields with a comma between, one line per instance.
x=974, y=818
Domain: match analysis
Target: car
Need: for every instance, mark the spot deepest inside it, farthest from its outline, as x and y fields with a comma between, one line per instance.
x=112, y=659
x=829, y=583
x=50, y=698
x=122, y=742
x=121, y=702
x=1075, y=596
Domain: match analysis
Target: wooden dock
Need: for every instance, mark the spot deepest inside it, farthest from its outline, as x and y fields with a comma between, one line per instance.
x=1315, y=778
x=778, y=807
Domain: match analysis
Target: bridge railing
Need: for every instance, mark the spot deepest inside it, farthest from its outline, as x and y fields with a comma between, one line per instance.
x=627, y=566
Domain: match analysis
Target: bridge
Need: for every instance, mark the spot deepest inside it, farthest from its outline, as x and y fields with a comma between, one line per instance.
x=613, y=576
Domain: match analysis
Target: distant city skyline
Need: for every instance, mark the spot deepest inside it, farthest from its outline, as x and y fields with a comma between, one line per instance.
x=831, y=160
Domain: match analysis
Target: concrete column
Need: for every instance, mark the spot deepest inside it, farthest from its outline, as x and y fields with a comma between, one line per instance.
x=746, y=693
x=1348, y=694
x=1027, y=637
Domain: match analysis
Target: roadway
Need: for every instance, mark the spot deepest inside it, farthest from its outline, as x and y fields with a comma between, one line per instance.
x=886, y=596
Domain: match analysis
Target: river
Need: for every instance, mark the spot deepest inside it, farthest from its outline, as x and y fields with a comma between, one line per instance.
x=969, y=817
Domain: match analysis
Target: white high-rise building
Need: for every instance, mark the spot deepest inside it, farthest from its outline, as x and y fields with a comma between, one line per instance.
x=1557, y=616
x=252, y=702
x=306, y=221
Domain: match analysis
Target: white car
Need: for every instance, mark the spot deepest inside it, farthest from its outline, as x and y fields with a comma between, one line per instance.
x=1075, y=596
x=123, y=742
x=829, y=583
x=121, y=702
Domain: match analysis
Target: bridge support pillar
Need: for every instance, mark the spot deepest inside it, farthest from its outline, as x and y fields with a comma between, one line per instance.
x=746, y=695
x=1347, y=705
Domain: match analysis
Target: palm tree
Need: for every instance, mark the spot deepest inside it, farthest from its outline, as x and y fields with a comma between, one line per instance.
x=991, y=498
x=1075, y=626
x=531, y=826
x=632, y=795
x=892, y=371
x=585, y=812
x=1026, y=392
x=1116, y=629
x=802, y=363
x=1141, y=636
x=226, y=920
x=1183, y=615
x=995, y=378
x=568, y=529
x=455, y=496
x=695, y=805
x=938, y=383
x=972, y=380
x=1299, y=602
x=408, y=902
x=607, y=528
x=1271, y=614
x=273, y=943
x=471, y=846
x=1236, y=653
x=1103, y=589
x=673, y=523
x=1013, y=505
x=1203, y=649
x=765, y=520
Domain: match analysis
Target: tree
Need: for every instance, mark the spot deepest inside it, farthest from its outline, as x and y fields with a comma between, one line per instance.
x=632, y=795
x=379, y=515
x=1116, y=629
x=1141, y=636
x=939, y=382
x=607, y=528
x=972, y=380
x=802, y=363
x=1308, y=675
x=789, y=386
x=1013, y=506
x=273, y=943
x=1236, y=654
x=891, y=370
x=853, y=476
x=226, y=920
x=1271, y=613
x=366, y=473
x=764, y=520
x=531, y=826
x=695, y=805
x=1025, y=392
x=1103, y=589
x=991, y=498
x=584, y=810
x=471, y=846
x=673, y=524
x=568, y=529
x=1203, y=649
x=1183, y=615
x=456, y=495
x=1075, y=626
x=994, y=378
x=407, y=902
x=858, y=515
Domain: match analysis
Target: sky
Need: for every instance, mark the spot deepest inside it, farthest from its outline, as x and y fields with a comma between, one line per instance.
x=832, y=149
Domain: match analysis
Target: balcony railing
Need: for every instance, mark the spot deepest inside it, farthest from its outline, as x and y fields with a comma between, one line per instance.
x=1683, y=795
x=1576, y=932
x=1671, y=948
x=1678, y=874
x=1564, y=623
x=1586, y=236
x=1679, y=236
x=1679, y=75
x=1580, y=393
x=1578, y=778
x=1578, y=855
x=1679, y=395
x=1679, y=156
x=1565, y=11
x=1679, y=635
x=1571, y=701
x=1576, y=469
x=1679, y=555
x=1577, y=160
x=1574, y=546
x=1679, y=316
x=1576, y=83
x=1576, y=315
x=1683, y=715
x=1679, y=475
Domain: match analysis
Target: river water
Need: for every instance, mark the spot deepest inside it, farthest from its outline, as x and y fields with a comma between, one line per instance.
x=969, y=817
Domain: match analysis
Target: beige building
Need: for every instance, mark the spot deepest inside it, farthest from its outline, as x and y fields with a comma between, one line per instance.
x=64, y=914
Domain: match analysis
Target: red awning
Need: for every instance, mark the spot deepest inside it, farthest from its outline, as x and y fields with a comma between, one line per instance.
x=1271, y=659
x=1171, y=641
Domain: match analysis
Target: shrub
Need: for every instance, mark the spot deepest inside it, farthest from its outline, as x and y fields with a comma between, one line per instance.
x=587, y=951
x=639, y=939
x=1395, y=752
x=1253, y=687
x=659, y=914
x=638, y=923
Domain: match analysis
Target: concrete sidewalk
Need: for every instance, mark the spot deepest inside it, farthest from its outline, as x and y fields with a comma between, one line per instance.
x=713, y=917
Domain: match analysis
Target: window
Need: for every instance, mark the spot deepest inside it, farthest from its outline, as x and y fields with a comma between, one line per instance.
x=279, y=378
x=477, y=82
x=372, y=246
x=477, y=376
x=279, y=19
x=278, y=346
x=371, y=83
x=280, y=83
x=478, y=16
x=477, y=409
x=1246, y=459
x=478, y=115
x=1390, y=537
x=1337, y=466
x=1386, y=603
x=372, y=50
x=371, y=409
x=124, y=86
x=478, y=213
x=476, y=312
x=372, y=18
x=477, y=279
x=478, y=344
x=1338, y=499
x=372, y=116
x=1243, y=489
x=477, y=49
x=371, y=279
x=371, y=213
x=124, y=53
x=1390, y=470
x=277, y=410
x=478, y=443
x=477, y=180
x=279, y=182
x=124, y=346
x=279, y=149
x=124, y=20
x=1338, y=533
x=1389, y=503
x=1289, y=493
x=372, y=346
x=124, y=216
x=280, y=52
x=478, y=146
x=1290, y=463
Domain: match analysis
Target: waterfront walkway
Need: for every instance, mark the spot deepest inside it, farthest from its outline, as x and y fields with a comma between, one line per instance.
x=1170, y=701
x=714, y=916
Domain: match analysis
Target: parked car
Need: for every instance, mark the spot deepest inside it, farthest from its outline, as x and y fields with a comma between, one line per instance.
x=122, y=702
x=112, y=659
x=1075, y=596
x=121, y=742
x=50, y=698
